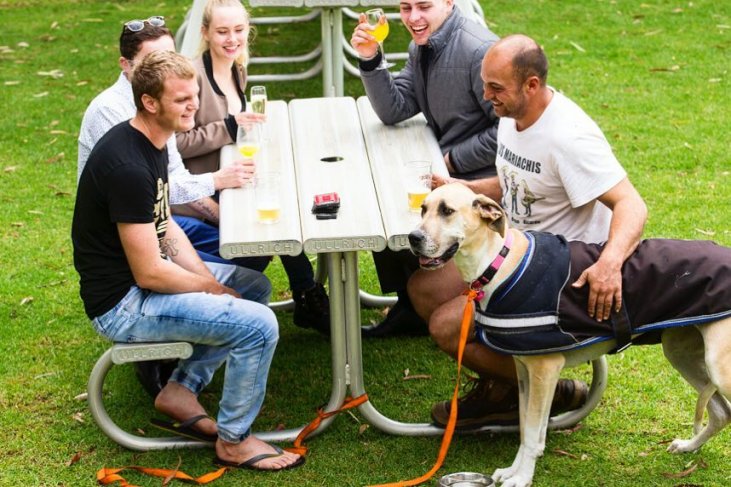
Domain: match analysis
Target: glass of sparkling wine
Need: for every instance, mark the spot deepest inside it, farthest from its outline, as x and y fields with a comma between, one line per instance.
x=266, y=197
x=417, y=179
x=248, y=139
x=376, y=18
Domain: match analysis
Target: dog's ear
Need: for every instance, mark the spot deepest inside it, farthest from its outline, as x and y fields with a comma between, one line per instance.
x=491, y=212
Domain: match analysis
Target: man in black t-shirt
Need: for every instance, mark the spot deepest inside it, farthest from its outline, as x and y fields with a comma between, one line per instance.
x=142, y=281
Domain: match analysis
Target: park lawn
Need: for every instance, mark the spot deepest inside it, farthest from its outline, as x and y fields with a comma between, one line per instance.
x=655, y=77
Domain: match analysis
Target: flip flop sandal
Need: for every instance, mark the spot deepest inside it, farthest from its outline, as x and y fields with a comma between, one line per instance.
x=185, y=428
x=250, y=464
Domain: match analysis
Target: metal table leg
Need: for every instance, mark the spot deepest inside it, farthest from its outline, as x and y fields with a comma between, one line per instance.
x=374, y=417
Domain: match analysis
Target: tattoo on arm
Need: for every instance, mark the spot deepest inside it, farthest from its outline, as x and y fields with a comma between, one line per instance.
x=169, y=247
x=206, y=207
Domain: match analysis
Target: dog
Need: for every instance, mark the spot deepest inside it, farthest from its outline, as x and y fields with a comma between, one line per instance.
x=473, y=231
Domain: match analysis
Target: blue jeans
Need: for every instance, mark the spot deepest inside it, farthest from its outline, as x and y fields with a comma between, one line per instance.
x=204, y=238
x=243, y=333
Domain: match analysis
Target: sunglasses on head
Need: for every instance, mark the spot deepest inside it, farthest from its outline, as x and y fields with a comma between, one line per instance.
x=138, y=25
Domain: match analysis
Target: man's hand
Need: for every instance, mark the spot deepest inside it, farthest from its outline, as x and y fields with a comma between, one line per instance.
x=605, y=288
x=235, y=175
x=362, y=40
x=437, y=180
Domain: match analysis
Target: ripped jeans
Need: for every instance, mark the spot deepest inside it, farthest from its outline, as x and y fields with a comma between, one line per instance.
x=241, y=332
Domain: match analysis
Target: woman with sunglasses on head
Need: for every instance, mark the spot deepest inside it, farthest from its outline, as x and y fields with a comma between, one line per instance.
x=222, y=80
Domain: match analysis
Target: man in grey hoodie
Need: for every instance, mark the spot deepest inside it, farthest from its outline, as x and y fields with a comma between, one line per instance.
x=441, y=79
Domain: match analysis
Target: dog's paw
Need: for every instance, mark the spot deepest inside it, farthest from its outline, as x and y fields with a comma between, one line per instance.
x=518, y=481
x=511, y=477
x=682, y=446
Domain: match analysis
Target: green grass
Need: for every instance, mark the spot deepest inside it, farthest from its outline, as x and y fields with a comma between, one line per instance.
x=654, y=75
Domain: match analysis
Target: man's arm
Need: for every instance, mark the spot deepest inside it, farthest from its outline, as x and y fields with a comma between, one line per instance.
x=183, y=273
x=629, y=214
x=490, y=187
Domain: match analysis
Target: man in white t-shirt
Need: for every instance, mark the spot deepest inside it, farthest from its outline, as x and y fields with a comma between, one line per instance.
x=557, y=173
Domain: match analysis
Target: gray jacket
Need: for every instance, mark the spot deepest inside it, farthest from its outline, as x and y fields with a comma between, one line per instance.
x=451, y=96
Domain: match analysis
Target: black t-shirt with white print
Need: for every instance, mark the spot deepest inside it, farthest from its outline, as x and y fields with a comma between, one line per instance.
x=125, y=181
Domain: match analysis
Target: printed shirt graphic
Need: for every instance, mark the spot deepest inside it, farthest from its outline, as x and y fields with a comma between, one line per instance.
x=552, y=172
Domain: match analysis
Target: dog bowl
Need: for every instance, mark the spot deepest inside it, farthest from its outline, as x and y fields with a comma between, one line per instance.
x=465, y=479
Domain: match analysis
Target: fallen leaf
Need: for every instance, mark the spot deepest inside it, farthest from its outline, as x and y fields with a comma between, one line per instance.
x=406, y=372
x=74, y=459
x=723, y=26
x=41, y=94
x=35, y=212
x=17, y=224
x=54, y=25
x=692, y=466
x=565, y=454
x=714, y=80
x=280, y=427
x=362, y=428
x=709, y=233
x=62, y=193
x=577, y=47
x=92, y=20
x=653, y=32
x=571, y=430
x=78, y=417
x=417, y=376
x=56, y=158
x=141, y=431
x=82, y=83
x=47, y=374
x=12, y=83
x=81, y=397
x=23, y=44
x=677, y=10
x=26, y=300
x=10, y=169
x=171, y=476
x=54, y=73
x=57, y=132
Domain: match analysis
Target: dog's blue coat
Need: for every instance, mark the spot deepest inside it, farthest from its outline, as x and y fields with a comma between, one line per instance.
x=665, y=283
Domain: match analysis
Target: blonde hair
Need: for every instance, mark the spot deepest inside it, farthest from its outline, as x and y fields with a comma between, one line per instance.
x=149, y=75
x=211, y=5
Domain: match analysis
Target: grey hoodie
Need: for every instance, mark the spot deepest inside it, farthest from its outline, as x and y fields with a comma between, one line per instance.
x=452, y=97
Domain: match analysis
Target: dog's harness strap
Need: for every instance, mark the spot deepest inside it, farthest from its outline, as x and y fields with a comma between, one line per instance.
x=492, y=269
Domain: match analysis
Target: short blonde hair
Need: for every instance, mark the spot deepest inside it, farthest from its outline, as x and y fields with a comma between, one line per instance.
x=149, y=75
x=211, y=5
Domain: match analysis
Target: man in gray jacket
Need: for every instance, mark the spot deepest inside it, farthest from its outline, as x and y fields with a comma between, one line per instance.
x=441, y=79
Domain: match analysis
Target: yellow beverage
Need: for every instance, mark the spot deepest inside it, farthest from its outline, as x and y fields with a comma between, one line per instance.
x=380, y=32
x=267, y=214
x=248, y=150
x=258, y=103
x=416, y=198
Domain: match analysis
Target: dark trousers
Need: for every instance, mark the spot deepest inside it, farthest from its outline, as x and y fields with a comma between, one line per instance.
x=204, y=238
x=394, y=269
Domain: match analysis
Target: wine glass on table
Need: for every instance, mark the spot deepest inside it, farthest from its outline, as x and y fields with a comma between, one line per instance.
x=376, y=18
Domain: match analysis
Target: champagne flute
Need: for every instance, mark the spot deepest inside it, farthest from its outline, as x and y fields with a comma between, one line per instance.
x=258, y=99
x=248, y=139
x=380, y=32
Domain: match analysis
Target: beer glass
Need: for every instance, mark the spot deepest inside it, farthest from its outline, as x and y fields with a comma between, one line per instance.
x=417, y=181
x=266, y=197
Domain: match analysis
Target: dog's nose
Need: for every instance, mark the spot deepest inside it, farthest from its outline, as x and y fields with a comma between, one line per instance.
x=416, y=238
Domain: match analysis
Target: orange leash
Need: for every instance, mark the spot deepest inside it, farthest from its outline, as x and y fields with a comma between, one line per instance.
x=301, y=449
x=449, y=430
x=106, y=476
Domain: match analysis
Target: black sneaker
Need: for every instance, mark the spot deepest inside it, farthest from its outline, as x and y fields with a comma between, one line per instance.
x=490, y=403
x=401, y=320
x=312, y=309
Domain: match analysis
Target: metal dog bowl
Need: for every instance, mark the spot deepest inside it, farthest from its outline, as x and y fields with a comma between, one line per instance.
x=465, y=479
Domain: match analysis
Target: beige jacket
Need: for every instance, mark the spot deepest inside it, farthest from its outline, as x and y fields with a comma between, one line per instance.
x=214, y=127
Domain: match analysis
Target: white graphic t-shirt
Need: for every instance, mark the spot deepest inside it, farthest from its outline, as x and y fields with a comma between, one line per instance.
x=552, y=172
